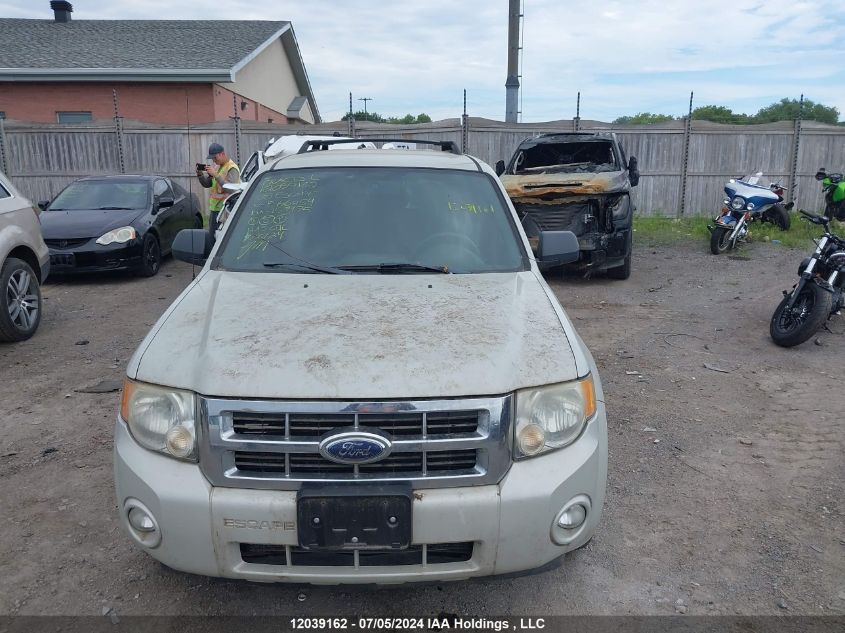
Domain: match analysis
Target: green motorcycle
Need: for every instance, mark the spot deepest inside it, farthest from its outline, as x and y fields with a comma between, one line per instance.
x=833, y=186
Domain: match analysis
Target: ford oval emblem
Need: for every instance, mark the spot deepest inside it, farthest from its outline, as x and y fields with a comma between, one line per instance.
x=355, y=447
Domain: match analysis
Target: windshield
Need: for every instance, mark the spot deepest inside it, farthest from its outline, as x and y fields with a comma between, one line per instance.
x=426, y=220
x=575, y=157
x=100, y=194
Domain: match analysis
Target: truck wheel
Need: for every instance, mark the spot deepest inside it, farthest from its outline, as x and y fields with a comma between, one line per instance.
x=20, y=301
x=621, y=272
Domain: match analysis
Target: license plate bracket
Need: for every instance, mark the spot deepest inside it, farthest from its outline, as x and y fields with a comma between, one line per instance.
x=62, y=259
x=354, y=517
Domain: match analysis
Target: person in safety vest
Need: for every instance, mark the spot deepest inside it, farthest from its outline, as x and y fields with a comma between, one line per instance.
x=224, y=170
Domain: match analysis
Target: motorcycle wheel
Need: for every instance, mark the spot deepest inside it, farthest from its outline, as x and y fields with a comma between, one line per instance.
x=811, y=309
x=779, y=216
x=719, y=241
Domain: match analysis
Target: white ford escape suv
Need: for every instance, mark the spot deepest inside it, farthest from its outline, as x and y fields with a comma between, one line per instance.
x=368, y=381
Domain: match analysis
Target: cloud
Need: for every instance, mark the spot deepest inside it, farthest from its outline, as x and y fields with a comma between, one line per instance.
x=625, y=57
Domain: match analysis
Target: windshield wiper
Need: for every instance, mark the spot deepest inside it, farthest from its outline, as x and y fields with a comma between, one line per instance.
x=317, y=269
x=114, y=209
x=397, y=268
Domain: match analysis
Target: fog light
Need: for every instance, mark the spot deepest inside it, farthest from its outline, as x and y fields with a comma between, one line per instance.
x=179, y=441
x=143, y=526
x=141, y=521
x=569, y=524
x=572, y=517
x=531, y=439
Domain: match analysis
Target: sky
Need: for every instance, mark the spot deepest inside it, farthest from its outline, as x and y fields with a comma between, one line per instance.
x=623, y=57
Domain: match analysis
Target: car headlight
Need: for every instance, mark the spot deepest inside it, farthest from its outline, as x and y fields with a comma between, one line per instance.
x=121, y=235
x=619, y=207
x=161, y=419
x=738, y=203
x=551, y=417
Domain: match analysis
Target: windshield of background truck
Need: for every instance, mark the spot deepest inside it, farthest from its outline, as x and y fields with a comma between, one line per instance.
x=574, y=157
x=366, y=216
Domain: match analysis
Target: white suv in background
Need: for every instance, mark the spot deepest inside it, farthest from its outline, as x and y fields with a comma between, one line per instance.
x=24, y=264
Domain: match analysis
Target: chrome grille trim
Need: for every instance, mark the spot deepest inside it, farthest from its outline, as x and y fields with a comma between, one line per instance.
x=219, y=442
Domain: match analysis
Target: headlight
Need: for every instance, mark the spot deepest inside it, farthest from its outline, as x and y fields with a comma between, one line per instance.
x=160, y=419
x=619, y=207
x=121, y=235
x=750, y=206
x=738, y=203
x=548, y=418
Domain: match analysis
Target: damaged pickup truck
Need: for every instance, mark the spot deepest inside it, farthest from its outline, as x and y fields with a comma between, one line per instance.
x=579, y=182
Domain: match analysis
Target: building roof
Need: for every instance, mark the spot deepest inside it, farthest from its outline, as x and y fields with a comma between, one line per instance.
x=142, y=50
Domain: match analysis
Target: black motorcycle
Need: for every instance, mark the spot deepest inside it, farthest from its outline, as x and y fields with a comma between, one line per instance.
x=818, y=293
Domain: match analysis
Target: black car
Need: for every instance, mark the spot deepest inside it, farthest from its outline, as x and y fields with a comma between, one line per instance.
x=579, y=182
x=106, y=223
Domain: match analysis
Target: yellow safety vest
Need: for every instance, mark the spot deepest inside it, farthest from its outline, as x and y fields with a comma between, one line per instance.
x=217, y=197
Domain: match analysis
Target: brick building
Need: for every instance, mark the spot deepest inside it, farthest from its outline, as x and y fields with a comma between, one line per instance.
x=163, y=71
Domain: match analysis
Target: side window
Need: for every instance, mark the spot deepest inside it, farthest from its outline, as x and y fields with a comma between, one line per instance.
x=4, y=193
x=161, y=188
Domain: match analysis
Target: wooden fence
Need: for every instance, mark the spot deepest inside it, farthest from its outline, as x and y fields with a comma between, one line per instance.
x=683, y=167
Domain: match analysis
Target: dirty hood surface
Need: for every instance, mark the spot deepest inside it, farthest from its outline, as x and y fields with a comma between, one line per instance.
x=585, y=184
x=352, y=337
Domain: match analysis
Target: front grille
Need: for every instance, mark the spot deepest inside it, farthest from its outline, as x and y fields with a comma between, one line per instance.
x=433, y=443
x=310, y=463
x=559, y=217
x=395, y=424
x=66, y=243
x=434, y=554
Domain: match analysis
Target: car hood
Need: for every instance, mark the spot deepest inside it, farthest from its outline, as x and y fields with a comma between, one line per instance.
x=76, y=224
x=353, y=337
x=586, y=184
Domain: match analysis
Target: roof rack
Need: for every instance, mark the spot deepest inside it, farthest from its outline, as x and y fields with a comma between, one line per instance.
x=310, y=146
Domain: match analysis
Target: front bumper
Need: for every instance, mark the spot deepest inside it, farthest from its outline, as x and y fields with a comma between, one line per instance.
x=510, y=523
x=92, y=257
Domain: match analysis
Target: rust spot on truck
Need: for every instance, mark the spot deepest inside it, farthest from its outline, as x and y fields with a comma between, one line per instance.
x=537, y=188
x=418, y=496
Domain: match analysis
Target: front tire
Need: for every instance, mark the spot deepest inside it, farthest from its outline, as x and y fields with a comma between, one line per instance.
x=720, y=240
x=150, y=256
x=779, y=216
x=809, y=313
x=20, y=301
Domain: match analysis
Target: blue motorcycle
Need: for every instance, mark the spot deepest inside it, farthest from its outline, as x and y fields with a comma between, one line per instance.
x=747, y=202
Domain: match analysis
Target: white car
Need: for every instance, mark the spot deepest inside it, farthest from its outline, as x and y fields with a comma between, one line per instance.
x=291, y=144
x=24, y=264
x=369, y=381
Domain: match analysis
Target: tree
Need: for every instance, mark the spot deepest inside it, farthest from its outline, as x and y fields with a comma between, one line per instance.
x=788, y=109
x=643, y=118
x=375, y=117
x=720, y=114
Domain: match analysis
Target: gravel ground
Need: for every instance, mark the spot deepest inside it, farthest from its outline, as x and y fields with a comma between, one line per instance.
x=725, y=491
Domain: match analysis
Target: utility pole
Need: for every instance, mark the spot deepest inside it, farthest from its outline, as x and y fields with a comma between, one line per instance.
x=365, y=99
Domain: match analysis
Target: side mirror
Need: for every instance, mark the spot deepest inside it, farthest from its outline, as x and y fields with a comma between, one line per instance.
x=165, y=202
x=821, y=174
x=633, y=171
x=558, y=247
x=43, y=205
x=500, y=167
x=193, y=246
